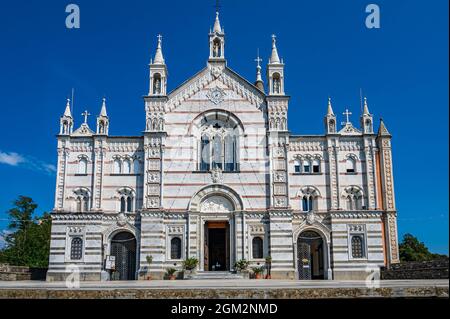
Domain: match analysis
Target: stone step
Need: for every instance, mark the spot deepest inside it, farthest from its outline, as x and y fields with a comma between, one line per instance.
x=211, y=275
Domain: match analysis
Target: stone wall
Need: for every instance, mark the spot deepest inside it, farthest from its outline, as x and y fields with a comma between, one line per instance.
x=436, y=269
x=16, y=273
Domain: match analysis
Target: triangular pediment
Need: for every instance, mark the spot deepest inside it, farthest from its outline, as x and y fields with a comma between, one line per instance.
x=83, y=130
x=349, y=129
x=213, y=82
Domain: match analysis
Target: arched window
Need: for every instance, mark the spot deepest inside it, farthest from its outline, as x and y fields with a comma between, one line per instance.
x=353, y=197
x=82, y=200
x=308, y=203
x=82, y=166
x=316, y=166
x=350, y=165
x=276, y=83
x=136, y=166
x=257, y=250
x=357, y=246
x=217, y=48
x=126, y=200
x=126, y=167
x=175, y=248
x=76, y=248
x=297, y=166
x=117, y=166
x=306, y=167
x=218, y=145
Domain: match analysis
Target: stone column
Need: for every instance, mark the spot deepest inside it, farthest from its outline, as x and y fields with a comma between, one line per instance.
x=281, y=245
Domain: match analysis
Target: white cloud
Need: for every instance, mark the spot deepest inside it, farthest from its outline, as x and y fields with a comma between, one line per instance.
x=3, y=234
x=14, y=159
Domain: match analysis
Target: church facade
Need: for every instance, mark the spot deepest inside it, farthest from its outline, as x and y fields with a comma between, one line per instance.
x=217, y=175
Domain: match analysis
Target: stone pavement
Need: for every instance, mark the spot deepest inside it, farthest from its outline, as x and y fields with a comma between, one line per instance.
x=227, y=289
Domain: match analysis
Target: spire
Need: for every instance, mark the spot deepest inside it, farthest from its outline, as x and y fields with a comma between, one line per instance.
x=382, y=131
x=274, y=58
x=103, y=110
x=67, y=112
x=330, y=107
x=217, y=27
x=259, y=81
x=366, y=107
x=159, y=59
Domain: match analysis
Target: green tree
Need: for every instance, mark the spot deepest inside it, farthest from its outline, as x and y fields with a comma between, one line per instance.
x=28, y=244
x=411, y=249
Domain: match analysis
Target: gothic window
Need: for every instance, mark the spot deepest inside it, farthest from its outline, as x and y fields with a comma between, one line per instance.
x=276, y=83
x=82, y=200
x=368, y=126
x=218, y=147
x=257, y=245
x=76, y=248
x=309, y=198
x=332, y=126
x=306, y=167
x=126, y=200
x=101, y=128
x=350, y=165
x=316, y=166
x=126, y=166
x=297, y=166
x=354, y=198
x=82, y=166
x=117, y=166
x=175, y=248
x=65, y=129
x=357, y=242
x=157, y=83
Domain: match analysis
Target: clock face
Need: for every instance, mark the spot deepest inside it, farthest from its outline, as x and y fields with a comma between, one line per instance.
x=216, y=95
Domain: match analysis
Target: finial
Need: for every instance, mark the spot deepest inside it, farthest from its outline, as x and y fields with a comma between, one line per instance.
x=274, y=58
x=103, y=109
x=85, y=114
x=330, y=108
x=159, y=59
x=217, y=27
x=67, y=112
x=258, y=60
x=347, y=114
x=366, y=107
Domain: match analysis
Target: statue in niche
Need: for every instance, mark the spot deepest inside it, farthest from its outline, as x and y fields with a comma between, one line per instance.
x=157, y=86
x=216, y=49
x=276, y=85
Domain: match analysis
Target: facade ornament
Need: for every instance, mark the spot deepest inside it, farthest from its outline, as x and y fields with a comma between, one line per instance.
x=310, y=218
x=217, y=175
x=122, y=220
x=216, y=95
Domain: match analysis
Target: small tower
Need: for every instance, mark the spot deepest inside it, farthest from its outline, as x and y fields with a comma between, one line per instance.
x=158, y=72
x=275, y=71
x=330, y=119
x=259, y=81
x=217, y=41
x=366, y=119
x=66, y=121
x=103, y=120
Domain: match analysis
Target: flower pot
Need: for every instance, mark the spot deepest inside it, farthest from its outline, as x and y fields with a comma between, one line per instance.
x=172, y=277
x=257, y=276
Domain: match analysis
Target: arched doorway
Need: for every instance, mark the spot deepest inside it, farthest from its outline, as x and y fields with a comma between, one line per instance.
x=123, y=247
x=310, y=256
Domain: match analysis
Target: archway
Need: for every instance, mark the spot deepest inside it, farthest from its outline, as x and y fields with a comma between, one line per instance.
x=123, y=248
x=310, y=256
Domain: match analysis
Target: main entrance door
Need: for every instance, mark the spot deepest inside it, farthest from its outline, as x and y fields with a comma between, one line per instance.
x=217, y=257
x=310, y=256
x=123, y=247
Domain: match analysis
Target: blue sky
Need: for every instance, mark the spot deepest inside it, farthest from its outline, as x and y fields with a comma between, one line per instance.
x=401, y=67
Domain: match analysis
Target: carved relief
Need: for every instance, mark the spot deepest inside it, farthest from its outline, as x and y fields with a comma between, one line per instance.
x=216, y=204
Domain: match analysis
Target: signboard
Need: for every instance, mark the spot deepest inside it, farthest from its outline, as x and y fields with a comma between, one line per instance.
x=110, y=263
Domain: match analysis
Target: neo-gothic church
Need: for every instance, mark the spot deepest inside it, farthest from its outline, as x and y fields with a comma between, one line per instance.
x=218, y=176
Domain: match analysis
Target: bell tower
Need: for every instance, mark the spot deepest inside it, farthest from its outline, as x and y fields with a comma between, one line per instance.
x=158, y=72
x=217, y=41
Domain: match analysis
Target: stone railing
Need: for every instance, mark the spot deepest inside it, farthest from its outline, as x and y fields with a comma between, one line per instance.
x=16, y=273
x=435, y=269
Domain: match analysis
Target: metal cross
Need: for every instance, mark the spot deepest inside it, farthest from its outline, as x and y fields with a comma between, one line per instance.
x=258, y=59
x=159, y=37
x=85, y=114
x=218, y=5
x=347, y=114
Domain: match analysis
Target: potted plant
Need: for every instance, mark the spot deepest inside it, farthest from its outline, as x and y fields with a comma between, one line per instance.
x=269, y=267
x=258, y=271
x=189, y=267
x=241, y=267
x=149, y=259
x=171, y=273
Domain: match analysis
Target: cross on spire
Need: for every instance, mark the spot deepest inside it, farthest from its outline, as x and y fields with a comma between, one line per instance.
x=85, y=114
x=159, y=37
x=347, y=114
x=258, y=59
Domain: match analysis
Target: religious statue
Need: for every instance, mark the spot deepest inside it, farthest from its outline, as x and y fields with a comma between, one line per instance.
x=276, y=85
x=216, y=50
x=157, y=86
